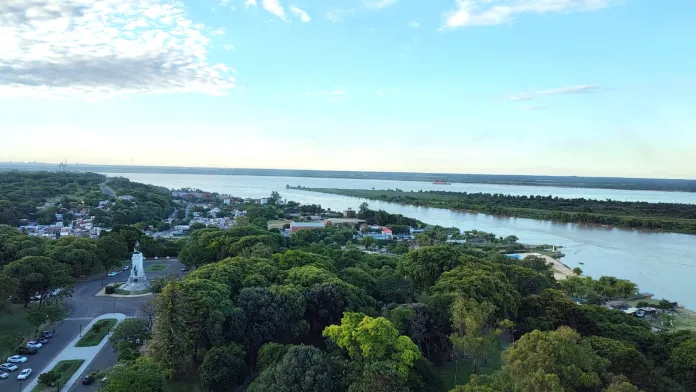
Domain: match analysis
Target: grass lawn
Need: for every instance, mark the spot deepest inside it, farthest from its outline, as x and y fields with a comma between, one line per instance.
x=464, y=369
x=95, y=334
x=13, y=321
x=156, y=267
x=66, y=369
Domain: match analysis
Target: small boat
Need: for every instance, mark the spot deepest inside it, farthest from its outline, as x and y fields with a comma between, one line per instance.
x=441, y=182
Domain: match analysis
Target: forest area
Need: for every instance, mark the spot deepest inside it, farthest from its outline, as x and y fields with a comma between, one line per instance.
x=669, y=217
x=311, y=314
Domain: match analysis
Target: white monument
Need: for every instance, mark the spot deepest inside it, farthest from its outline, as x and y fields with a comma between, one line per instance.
x=137, y=281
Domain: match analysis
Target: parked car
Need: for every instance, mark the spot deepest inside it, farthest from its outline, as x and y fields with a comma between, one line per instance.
x=111, y=274
x=24, y=374
x=46, y=334
x=17, y=359
x=26, y=350
x=34, y=344
x=86, y=380
x=8, y=367
x=184, y=269
x=42, y=340
x=4, y=376
x=125, y=268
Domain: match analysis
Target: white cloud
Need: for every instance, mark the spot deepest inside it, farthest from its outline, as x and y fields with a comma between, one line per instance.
x=337, y=16
x=495, y=12
x=104, y=48
x=414, y=24
x=228, y=47
x=274, y=7
x=377, y=4
x=301, y=13
x=250, y=3
x=218, y=32
x=580, y=89
x=380, y=93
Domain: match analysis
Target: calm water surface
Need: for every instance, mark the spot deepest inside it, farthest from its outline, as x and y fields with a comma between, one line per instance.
x=661, y=263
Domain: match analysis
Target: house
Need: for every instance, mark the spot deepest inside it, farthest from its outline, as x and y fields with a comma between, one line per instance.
x=263, y=201
x=126, y=197
x=296, y=226
x=349, y=213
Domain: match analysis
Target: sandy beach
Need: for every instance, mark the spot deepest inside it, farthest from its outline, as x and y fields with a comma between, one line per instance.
x=560, y=271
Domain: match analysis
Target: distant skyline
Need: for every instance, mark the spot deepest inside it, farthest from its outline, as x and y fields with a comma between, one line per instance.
x=540, y=87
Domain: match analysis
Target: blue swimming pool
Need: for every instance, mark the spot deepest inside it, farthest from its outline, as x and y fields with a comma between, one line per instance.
x=515, y=256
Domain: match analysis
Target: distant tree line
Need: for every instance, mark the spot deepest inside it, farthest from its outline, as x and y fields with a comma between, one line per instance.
x=641, y=215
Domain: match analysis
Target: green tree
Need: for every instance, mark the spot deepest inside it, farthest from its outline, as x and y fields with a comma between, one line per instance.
x=302, y=368
x=38, y=275
x=369, y=242
x=474, y=335
x=374, y=340
x=8, y=287
x=270, y=354
x=621, y=386
x=223, y=368
x=577, y=271
x=112, y=250
x=44, y=314
x=424, y=266
x=49, y=378
x=190, y=317
x=555, y=361
x=127, y=338
x=142, y=375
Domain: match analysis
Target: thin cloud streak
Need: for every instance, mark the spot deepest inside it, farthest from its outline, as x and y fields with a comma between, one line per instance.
x=580, y=89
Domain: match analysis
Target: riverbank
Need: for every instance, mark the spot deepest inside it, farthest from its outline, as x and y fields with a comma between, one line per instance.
x=560, y=270
x=659, y=217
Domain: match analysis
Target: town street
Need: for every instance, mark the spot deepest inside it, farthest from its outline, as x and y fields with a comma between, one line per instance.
x=83, y=306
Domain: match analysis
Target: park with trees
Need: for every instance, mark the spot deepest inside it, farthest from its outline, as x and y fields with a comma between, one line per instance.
x=310, y=313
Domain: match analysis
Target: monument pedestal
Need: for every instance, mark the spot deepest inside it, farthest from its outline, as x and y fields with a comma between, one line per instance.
x=137, y=281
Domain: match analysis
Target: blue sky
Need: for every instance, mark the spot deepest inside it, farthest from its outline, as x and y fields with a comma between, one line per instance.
x=561, y=87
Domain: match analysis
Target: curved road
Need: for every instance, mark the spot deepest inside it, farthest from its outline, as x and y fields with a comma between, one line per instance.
x=83, y=307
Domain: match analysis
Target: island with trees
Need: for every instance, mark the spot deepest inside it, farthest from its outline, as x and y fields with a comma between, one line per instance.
x=669, y=217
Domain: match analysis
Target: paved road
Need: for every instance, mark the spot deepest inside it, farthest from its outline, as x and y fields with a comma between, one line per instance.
x=83, y=307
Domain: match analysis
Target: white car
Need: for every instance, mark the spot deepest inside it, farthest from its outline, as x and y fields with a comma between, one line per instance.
x=34, y=344
x=17, y=359
x=24, y=374
x=8, y=367
x=4, y=376
x=111, y=274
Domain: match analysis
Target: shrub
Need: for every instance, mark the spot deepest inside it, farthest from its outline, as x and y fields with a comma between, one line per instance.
x=109, y=289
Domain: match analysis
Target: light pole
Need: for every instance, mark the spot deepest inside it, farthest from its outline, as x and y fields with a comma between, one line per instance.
x=80, y=330
x=20, y=386
x=114, y=307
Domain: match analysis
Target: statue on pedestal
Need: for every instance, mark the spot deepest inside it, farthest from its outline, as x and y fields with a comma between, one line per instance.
x=137, y=281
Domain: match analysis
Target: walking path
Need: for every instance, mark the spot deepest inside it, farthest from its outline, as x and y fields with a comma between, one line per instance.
x=71, y=352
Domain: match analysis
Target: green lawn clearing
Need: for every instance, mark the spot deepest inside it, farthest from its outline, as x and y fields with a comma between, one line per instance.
x=95, y=334
x=156, y=267
x=66, y=369
x=464, y=369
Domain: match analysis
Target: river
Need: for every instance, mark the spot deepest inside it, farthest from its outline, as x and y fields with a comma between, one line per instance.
x=661, y=263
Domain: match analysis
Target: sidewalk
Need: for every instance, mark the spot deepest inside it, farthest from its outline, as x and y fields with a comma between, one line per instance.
x=71, y=352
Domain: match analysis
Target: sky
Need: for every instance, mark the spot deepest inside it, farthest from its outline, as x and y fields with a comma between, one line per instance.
x=556, y=87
